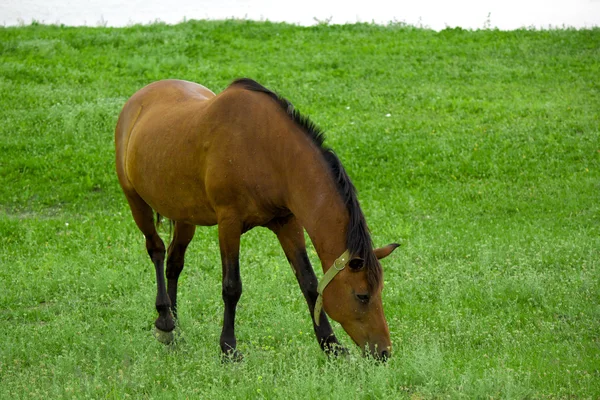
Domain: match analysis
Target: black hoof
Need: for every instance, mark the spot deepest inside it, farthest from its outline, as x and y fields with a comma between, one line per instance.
x=165, y=324
x=333, y=348
x=164, y=337
x=336, y=350
x=232, y=355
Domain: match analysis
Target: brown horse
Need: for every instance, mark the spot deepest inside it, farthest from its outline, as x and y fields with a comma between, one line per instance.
x=242, y=159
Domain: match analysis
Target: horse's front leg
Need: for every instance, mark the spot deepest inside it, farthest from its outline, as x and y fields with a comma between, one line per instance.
x=230, y=230
x=291, y=236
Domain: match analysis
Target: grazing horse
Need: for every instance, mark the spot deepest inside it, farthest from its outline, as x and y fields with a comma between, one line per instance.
x=241, y=159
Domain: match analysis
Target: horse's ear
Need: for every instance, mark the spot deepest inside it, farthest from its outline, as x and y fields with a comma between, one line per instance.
x=385, y=251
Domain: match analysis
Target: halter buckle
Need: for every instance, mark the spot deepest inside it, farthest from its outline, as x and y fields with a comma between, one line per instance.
x=338, y=265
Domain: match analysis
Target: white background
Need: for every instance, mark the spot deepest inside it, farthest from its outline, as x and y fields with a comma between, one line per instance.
x=436, y=14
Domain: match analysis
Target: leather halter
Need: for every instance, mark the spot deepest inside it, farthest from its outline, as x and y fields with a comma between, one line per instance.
x=337, y=266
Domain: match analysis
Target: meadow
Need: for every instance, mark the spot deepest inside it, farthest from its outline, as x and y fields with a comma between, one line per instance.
x=479, y=151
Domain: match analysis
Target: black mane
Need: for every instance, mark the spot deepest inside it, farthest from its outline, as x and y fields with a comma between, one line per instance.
x=358, y=239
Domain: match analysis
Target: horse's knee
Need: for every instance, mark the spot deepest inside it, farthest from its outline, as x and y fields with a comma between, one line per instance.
x=232, y=289
x=155, y=247
x=174, y=269
x=175, y=260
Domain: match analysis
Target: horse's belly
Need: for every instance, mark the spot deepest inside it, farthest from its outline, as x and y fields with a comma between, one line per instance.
x=203, y=216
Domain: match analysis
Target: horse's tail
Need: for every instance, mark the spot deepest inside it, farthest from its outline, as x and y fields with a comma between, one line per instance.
x=159, y=220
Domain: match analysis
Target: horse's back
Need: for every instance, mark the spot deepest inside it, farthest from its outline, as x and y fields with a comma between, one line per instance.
x=169, y=90
x=189, y=153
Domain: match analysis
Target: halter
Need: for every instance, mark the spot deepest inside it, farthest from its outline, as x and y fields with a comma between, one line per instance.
x=337, y=266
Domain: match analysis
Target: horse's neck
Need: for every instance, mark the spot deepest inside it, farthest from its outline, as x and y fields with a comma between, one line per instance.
x=318, y=206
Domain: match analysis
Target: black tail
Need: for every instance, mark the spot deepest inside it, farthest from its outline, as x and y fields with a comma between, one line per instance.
x=159, y=220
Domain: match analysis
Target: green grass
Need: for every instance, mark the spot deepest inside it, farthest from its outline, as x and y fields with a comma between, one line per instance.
x=478, y=150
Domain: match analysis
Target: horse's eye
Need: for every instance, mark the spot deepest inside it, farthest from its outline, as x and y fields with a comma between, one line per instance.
x=356, y=263
x=363, y=298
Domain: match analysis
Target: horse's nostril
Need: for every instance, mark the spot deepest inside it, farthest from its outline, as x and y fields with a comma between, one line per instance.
x=384, y=355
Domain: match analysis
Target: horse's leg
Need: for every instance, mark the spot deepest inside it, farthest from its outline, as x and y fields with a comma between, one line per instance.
x=144, y=218
x=230, y=230
x=182, y=236
x=291, y=236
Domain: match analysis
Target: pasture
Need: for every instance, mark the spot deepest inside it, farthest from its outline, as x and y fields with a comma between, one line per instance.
x=479, y=151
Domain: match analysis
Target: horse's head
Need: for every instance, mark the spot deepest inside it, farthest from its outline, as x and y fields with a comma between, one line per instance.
x=355, y=303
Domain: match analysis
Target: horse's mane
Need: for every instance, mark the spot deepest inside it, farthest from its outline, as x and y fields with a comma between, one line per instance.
x=358, y=239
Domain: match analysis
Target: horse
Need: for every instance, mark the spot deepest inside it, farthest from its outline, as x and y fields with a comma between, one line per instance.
x=242, y=159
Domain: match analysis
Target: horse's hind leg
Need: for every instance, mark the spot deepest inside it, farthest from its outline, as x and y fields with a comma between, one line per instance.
x=291, y=236
x=182, y=236
x=144, y=218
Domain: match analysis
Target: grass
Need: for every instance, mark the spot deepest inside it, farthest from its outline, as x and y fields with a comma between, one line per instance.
x=478, y=150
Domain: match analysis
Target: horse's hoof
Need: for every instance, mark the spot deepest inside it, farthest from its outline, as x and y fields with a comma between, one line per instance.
x=163, y=337
x=336, y=350
x=232, y=356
